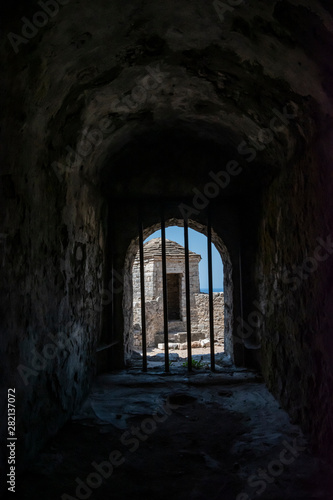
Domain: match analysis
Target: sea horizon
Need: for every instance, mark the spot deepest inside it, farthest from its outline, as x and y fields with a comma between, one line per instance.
x=206, y=290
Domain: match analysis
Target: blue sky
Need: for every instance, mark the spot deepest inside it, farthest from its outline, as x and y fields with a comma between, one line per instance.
x=198, y=244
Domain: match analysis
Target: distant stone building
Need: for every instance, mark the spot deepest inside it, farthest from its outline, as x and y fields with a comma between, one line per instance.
x=175, y=263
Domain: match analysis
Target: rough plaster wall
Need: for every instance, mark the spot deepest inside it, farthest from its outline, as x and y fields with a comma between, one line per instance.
x=54, y=256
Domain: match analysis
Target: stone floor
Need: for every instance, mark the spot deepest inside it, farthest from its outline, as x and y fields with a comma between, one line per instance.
x=178, y=358
x=180, y=436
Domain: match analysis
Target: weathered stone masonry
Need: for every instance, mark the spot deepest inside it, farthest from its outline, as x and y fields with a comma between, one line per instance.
x=175, y=261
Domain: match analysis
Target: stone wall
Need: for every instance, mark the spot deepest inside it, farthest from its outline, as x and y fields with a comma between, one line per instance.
x=154, y=324
x=295, y=297
x=154, y=283
x=199, y=319
x=200, y=315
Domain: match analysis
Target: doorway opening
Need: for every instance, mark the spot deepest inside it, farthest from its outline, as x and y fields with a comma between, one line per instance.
x=203, y=333
x=174, y=296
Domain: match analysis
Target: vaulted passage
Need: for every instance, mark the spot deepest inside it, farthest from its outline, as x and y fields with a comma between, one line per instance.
x=119, y=119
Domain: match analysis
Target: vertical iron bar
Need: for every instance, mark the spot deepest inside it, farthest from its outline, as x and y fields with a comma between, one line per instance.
x=210, y=284
x=112, y=309
x=143, y=298
x=111, y=356
x=241, y=297
x=165, y=294
x=188, y=304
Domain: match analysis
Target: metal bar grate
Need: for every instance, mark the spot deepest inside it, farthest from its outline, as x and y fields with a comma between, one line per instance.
x=165, y=291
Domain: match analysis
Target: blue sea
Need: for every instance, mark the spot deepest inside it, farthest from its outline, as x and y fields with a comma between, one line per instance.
x=206, y=290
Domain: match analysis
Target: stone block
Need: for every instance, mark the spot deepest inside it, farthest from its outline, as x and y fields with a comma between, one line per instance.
x=173, y=345
x=181, y=337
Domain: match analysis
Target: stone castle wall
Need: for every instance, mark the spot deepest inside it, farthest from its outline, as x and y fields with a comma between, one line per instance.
x=154, y=286
x=199, y=318
x=200, y=315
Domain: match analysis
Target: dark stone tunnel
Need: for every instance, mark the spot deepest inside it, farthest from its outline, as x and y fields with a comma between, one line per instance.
x=111, y=107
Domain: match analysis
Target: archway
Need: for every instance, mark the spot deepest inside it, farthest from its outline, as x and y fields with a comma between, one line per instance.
x=128, y=284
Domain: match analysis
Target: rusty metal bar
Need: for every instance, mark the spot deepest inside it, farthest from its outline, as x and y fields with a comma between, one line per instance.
x=165, y=294
x=188, y=303
x=210, y=284
x=143, y=298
